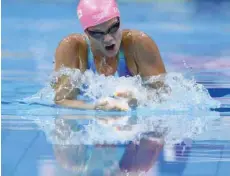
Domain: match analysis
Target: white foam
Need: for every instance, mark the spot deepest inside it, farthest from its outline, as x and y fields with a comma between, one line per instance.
x=182, y=113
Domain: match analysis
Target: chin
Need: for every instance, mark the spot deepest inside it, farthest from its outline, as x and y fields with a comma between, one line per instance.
x=110, y=54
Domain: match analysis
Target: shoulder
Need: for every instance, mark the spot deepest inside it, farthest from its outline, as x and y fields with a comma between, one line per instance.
x=70, y=50
x=131, y=39
x=136, y=40
x=133, y=35
x=141, y=48
x=72, y=41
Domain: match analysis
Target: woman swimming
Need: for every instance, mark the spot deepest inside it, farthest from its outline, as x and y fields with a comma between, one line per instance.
x=105, y=49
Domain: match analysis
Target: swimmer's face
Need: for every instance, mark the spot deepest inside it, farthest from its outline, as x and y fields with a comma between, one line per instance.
x=106, y=37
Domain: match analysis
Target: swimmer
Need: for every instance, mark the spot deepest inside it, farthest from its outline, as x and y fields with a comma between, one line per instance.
x=104, y=48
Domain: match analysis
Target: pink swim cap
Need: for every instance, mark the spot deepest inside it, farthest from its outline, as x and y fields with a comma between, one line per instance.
x=94, y=12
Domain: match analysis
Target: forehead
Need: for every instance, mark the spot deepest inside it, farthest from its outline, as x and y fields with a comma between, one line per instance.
x=103, y=26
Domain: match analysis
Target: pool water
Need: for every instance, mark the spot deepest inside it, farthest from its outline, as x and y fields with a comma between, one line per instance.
x=193, y=38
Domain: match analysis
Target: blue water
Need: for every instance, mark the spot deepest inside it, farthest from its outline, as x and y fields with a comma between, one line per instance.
x=193, y=38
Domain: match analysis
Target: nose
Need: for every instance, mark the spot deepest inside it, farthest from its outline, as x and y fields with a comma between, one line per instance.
x=108, y=39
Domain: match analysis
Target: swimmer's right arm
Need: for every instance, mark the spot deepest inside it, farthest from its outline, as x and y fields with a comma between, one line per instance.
x=65, y=95
x=70, y=53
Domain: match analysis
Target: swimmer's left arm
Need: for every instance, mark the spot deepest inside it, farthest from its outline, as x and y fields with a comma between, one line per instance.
x=144, y=59
x=147, y=58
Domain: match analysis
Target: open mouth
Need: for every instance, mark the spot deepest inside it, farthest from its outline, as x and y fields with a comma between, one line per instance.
x=110, y=47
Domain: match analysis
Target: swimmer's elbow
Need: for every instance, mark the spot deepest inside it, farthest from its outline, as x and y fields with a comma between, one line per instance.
x=62, y=94
x=161, y=85
x=157, y=84
x=59, y=100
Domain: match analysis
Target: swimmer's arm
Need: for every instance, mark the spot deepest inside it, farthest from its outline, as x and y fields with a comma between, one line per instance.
x=148, y=59
x=147, y=56
x=65, y=95
x=69, y=54
x=75, y=104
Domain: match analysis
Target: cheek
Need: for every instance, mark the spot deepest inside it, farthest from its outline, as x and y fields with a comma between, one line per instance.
x=118, y=36
x=98, y=43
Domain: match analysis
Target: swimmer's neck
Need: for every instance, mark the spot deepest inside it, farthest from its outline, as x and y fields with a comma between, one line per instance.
x=105, y=65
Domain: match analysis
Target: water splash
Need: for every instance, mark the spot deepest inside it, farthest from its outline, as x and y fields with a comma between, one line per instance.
x=181, y=111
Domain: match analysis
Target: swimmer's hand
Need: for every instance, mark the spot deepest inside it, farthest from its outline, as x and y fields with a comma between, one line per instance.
x=112, y=104
x=129, y=96
x=124, y=94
